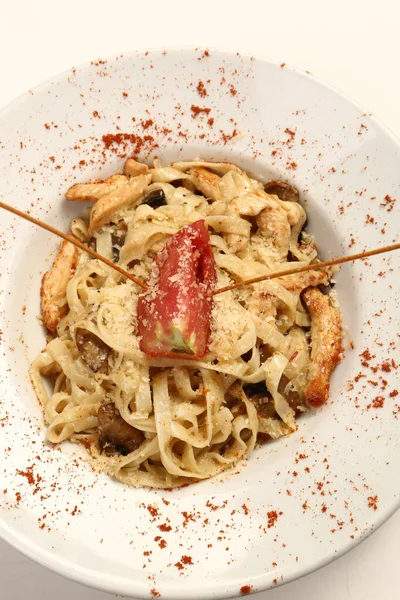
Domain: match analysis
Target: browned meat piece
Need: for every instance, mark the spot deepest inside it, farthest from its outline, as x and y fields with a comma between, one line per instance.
x=115, y=434
x=52, y=370
x=283, y=190
x=54, y=285
x=274, y=226
x=85, y=192
x=119, y=198
x=118, y=238
x=93, y=350
x=326, y=344
x=300, y=281
x=258, y=394
x=263, y=438
x=292, y=396
x=221, y=168
x=207, y=182
x=134, y=168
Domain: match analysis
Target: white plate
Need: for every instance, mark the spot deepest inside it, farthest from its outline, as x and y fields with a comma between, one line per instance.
x=333, y=481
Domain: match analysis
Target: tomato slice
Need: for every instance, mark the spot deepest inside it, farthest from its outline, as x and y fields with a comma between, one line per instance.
x=174, y=312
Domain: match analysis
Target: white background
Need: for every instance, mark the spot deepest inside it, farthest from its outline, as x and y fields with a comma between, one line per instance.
x=351, y=44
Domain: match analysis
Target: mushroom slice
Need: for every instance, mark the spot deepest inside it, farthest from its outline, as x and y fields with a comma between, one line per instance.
x=115, y=434
x=54, y=285
x=93, y=350
x=133, y=168
x=51, y=370
x=85, y=192
x=326, y=344
x=258, y=394
x=155, y=198
x=124, y=195
x=283, y=190
x=291, y=395
x=206, y=182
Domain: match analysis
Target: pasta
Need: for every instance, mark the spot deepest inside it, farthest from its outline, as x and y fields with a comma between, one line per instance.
x=163, y=421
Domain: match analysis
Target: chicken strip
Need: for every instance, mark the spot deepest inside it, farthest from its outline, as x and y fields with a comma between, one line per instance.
x=326, y=344
x=124, y=195
x=54, y=285
x=91, y=192
x=207, y=182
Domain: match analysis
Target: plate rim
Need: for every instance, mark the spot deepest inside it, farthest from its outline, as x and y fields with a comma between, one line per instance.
x=116, y=584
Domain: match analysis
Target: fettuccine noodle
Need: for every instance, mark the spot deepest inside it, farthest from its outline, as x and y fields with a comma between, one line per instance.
x=165, y=422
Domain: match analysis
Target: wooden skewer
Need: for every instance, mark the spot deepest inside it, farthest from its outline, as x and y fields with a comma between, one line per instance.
x=321, y=265
x=294, y=271
x=73, y=240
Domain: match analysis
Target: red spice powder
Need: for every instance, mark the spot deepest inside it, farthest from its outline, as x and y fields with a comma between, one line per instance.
x=201, y=90
x=378, y=402
x=210, y=121
x=366, y=354
x=226, y=137
x=164, y=527
x=162, y=542
x=155, y=593
x=187, y=560
x=246, y=589
x=272, y=518
x=187, y=517
x=179, y=566
x=394, y=393
x=96, y=114
x=233, y=90
x=152, y=510
x=388, y=203
x=128, y=142
x=28, y=474
x=246, y=510
x=196, y=110
x=147, y=124
x=373, y=502
x=205, y=54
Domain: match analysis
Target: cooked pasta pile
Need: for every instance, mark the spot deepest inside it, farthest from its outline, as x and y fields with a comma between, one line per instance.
x=162, y=422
